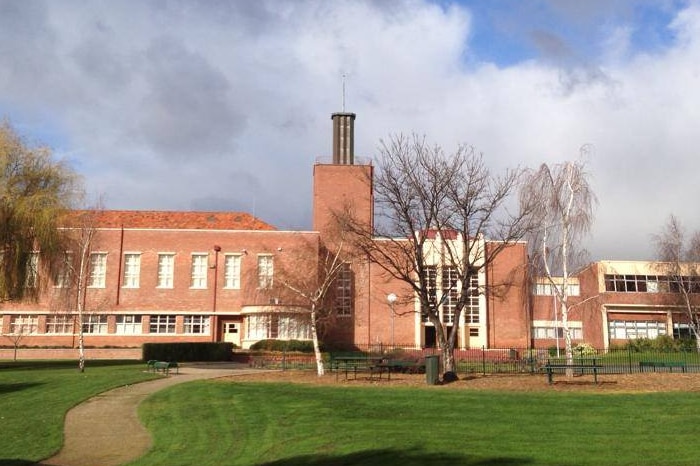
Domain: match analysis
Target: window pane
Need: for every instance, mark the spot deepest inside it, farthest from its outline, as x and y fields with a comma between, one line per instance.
x=232, y=271
x=199, y=270
x=166, y=270
x=132, y=270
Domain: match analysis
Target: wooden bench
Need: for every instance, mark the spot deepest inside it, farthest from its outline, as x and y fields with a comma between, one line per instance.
x=644, y=365
x=550, y=369
x=164, y=367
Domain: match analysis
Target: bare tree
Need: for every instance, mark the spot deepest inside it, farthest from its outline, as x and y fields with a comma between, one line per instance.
x=680, y=264
x=437, y=213
x=81, y=230
x=560, y=201
x=17, y=333
x=34, y=192
x=317, y=292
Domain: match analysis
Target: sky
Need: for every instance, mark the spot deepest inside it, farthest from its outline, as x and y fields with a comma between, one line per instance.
x=226, y=105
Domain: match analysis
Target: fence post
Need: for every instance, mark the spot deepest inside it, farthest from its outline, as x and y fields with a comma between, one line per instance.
x=629, y=358
x=284, y=358
x=483, y=360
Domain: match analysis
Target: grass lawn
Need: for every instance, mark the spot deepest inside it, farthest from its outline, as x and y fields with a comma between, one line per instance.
x=229, y=423
x=34, y=397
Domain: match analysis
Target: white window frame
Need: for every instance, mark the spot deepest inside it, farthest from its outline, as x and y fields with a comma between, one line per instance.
x=24, y=324
x=265, y=271
x=166, y=270
x=132, y=270
x=59, y=324
x=32, y=277
x=129, y=324
x=98, y=270
x=64, y=274
x=197, y=325
x=199, y=271
x=232, y=271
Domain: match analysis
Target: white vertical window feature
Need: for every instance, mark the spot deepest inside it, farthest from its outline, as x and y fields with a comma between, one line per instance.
x=32, y=270
x=64, y=274
x=472, y=310
x=197, y=325
x=232, y=271
x=24, y=325
x=129, y=325
x=98, y=269
x=450, y=294
x=132, y=270
x=166, y=270
x=199, y=271
x=265, y=271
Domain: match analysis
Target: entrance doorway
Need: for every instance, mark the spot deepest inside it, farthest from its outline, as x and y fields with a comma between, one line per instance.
x=429, y=338
x=232, y=333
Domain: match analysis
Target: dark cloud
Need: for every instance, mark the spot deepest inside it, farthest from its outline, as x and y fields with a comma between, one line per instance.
x=187, y=109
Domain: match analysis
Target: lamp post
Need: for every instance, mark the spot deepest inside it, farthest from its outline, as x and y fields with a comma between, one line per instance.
x=391, y=298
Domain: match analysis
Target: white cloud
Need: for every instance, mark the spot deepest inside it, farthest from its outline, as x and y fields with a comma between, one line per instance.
x=226, y=105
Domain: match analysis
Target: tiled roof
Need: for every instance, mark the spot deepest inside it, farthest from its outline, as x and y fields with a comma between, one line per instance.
x=168, y=220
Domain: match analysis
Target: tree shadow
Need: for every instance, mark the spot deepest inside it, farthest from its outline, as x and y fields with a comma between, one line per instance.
x=16, y=387
x=414, y=456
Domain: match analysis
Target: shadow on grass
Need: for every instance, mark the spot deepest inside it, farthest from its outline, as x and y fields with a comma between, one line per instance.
x=64, y=364
x=402, y=457
x=16, y=387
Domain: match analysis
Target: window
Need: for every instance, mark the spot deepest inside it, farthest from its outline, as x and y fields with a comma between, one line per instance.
x=95, y=324
x=450, y=294
x=98, y=269
x=430, y=277
x=471, y=313
x=548, y=289
x=59, y=324
x=197, y=324
x=232, y=271
x=473, y=331
x=343, y=291
x=166, y=270
x=32, y=270
x=551, y=332
x=631, y=329
x=650, y=283
x=129, y=325
x=199, y=271
x=162, y=324
x=265, y=271
x=280, y=326
x=132, y=270
x=683, y=331
x=64, y=274
x=24, y=325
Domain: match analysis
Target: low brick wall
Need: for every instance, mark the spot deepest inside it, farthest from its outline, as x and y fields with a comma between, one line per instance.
x=71, y=353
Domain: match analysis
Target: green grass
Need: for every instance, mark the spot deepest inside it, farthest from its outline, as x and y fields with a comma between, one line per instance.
x=228, y=423
x=34, y=397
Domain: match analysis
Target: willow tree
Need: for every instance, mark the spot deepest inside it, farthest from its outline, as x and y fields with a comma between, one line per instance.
x=35, y=190
x=560, y=201
x=679, y=256
x=437, y=214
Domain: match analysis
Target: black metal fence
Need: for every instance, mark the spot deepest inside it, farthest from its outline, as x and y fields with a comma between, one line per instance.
x=499, y=360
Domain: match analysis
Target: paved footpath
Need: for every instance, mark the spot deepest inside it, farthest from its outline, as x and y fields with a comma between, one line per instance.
x=105, y=430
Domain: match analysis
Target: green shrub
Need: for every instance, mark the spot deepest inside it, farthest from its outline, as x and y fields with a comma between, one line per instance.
x=301, y=346
x=192, y=351
x=584, y=349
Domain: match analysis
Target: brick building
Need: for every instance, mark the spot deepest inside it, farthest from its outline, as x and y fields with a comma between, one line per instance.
x=224, y=276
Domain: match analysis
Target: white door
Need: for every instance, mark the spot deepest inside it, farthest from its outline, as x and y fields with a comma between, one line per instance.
x=232, y=333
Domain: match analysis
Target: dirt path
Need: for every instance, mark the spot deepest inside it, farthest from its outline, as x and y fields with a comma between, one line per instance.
x=95, y=431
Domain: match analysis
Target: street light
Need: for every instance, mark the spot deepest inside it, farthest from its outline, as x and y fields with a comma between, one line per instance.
x=391, y=298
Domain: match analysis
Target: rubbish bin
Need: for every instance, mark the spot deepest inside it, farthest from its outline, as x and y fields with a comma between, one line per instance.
x=432, y=369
